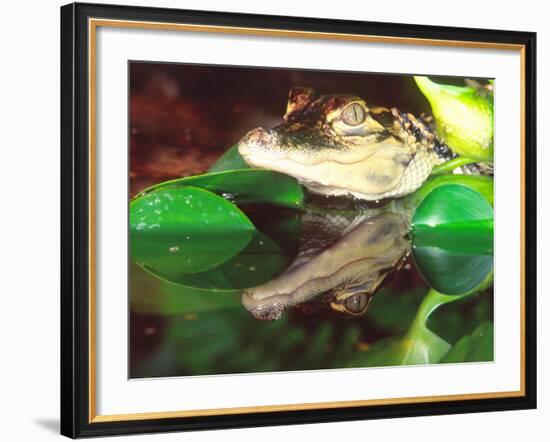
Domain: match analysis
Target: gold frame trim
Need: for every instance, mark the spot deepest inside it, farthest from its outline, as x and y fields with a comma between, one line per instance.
x=93, y=24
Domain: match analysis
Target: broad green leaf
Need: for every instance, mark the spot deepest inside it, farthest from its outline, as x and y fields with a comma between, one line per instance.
x=260, y=261
x=475, y=347
x=468, y=237
x=464, y=117
x=450, y=272
x=178, y=230
x=482, y=184
x=452, y=237
x=230, y=160
x=153, y=296
x=273, y=245
x=243, y=186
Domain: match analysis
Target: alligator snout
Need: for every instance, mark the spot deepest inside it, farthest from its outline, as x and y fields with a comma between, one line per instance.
x=257, y=139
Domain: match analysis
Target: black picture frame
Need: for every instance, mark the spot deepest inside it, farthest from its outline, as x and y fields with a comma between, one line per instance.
x=75, y=221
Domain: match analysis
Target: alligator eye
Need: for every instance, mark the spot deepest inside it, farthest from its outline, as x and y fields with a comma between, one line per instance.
x=353, y=114
x=357, y=304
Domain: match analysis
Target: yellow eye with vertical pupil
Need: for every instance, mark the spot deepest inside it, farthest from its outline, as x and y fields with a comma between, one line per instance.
x=353, y=114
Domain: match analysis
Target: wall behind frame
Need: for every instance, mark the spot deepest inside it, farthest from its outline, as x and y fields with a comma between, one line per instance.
x=29, y=221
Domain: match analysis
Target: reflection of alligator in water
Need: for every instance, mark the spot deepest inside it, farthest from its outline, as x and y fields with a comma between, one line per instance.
x=342, y=260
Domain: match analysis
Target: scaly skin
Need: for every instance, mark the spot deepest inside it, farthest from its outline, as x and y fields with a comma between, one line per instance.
x=342, y=262
x=338, y=145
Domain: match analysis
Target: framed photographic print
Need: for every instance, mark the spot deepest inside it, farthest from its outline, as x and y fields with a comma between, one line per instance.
x=274, y=220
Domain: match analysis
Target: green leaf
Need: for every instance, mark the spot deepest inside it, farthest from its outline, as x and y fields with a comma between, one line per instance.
x=474, y=347
x=244, y=186
x=260, y=261
x=419, y=345
x=150, y=295
x=468, y=237
x=178, y=230
x=424, y=347
x=482, y=184
x=452, y=237
x=456, y=319
x=450, y=165
x=464, y=117
x=230, y=160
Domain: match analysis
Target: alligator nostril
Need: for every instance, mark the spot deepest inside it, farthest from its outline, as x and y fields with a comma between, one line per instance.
x=255, y=139
x=260, y=134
